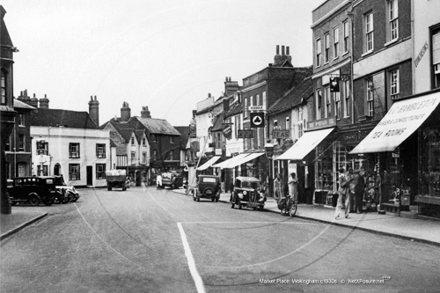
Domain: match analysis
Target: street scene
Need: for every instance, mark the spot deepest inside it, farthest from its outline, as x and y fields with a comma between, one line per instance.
x=139, y=241
x=220, y=146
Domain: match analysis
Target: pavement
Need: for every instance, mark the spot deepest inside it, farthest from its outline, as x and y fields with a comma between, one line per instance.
x=408, y=225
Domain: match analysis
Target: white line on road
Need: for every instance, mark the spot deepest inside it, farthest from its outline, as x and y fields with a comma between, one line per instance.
x=290, y=223
x=191, y=263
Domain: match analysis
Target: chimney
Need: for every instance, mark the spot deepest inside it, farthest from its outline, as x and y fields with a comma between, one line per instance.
x=94, y=109
x=33, y=102
x=44, y=102
x=145, y=113
x=194, y=112
x=125, y=112
x=230, y=87
x=285, y=56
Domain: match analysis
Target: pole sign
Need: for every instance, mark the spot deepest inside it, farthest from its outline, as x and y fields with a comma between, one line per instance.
x=257, y=120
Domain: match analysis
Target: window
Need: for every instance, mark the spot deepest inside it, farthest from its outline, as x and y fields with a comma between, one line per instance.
x=144, y=141
x=237, y=124
x=42, y=147
x=318, y=52
x=370, y=98
x=300, y=129
x=20, y=119
x=155, y=155
x=73, y=150
x=132, y=140
x=394, y=84
x=393, y=25
x=8, y=144
x=346, y=35
x=346, y=93
x=328, y=102
x=21, y=142
x=275, y=123
x=338, y=112
x=100, y=151
x=100, y=171
x=327, y=48
x=133, y=158
x=170, y=156
x=264, y=100
x=436, y=58
x=368, y=19
x=318, y=104
x=246, y=109
x=336, y=43
x=287, y=123
x=42, y=170
x=74, y=172
x=144, y=158
x=171, y=139
x=3, y=87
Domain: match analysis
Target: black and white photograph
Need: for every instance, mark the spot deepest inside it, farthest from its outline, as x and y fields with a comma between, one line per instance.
x=214, y=146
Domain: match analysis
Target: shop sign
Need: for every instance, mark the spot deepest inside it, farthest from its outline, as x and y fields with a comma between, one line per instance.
x=245, y=133
x=227, y=131
x=257, y=108
x=218, y=152
x=257, y=119
x=280, y=133
x=421, y=54
x=322, y=123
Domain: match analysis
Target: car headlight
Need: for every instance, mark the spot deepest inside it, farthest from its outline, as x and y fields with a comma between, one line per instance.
x=240, y=195
x=245, y=192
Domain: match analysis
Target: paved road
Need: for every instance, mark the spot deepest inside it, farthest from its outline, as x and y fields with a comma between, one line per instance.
x=145, y=240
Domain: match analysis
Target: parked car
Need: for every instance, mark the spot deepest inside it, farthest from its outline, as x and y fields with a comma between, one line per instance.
x=116, y=179
x=69, y=191
x=208, y=186
x=33, y=190
x=247, y=192
x=172, y=179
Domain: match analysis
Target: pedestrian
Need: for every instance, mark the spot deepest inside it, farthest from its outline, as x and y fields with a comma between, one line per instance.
x=277, y=187
x=359, y=190
x=159, y=180
x=351, y=189
x=343, y=195
x=293, y=186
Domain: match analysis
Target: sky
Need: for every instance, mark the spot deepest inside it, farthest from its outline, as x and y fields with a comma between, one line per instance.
x=167, y=55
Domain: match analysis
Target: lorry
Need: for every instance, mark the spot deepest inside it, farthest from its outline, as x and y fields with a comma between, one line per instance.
x=116, y=179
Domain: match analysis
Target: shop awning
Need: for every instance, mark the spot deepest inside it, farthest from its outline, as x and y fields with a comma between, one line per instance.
x=305, y=144
x=209, y=163
x=248, y=158
x=230, y=163
x=403, y=118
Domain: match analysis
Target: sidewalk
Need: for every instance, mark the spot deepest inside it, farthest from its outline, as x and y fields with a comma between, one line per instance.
x=17, y=220
x=407, y=226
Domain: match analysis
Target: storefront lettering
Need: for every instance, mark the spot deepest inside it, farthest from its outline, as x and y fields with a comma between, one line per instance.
x=402, y=120
x=421, y=54
x=414, y=106
x=377, y=134
x=395, y=132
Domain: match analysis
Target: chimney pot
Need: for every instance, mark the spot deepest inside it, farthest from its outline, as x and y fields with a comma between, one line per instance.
x=287, y=51
x=278, y=49
x=282, y=50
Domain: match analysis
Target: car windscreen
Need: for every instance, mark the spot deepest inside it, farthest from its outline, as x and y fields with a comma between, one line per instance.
x=209, y=180
x=248, y=184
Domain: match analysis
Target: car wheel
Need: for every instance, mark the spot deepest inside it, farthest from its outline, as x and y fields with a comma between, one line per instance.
x=34, y=200
x=261, y=208
x=65, y=200
x=292, y=210
x=239, y=205
x=198, y=198
x=217, y=199
x=232, y=205
x=194, y=198
x=212, y=199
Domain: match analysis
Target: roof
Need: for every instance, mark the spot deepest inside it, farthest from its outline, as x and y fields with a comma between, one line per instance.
x=218, y=126
x=235, y=109
x=66, y=118
x=157, y=126
x=123, y=128
x=295, y=96
x=20, y=105
x=184, y=134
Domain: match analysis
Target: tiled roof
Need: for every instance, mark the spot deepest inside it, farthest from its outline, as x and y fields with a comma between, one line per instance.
x=124, y=129
x=20, y=105
x=139, y=134
x=235, y=109
x=295, y=96
x=157, y=126
x=66, y=118
x=184, y=134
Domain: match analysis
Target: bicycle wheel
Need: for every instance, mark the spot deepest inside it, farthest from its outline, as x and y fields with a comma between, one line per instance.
x=293, y=209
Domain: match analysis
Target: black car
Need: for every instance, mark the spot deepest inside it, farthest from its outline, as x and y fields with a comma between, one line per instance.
x=208, y=186
x=33, y=190
x=248, y=193
x=69, y=192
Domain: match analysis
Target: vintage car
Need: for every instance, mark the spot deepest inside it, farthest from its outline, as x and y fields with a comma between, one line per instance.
x=69, y=191
x=247, y=192
x=172, y=179
x=208, y=186
x=116, y=178
x=33, y=190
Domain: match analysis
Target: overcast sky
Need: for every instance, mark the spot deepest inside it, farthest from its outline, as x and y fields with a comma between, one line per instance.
x=166, y=55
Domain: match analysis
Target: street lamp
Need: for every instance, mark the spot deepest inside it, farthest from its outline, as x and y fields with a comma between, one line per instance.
x=269, y=154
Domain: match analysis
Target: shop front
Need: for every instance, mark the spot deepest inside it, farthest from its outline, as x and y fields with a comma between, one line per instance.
x=403, y=153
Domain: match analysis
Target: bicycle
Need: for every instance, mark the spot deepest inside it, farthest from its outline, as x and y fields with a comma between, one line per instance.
x=288, y=205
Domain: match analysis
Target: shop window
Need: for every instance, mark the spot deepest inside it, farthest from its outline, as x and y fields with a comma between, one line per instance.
x=336, y=43
x=346, y=36
x=74, y=172
x=436, y=57
x=100, y=171
x=324, y=168
x=393, y=21
x=74, y=150
x=430, y=161
x=318, y=50
x=368, y=32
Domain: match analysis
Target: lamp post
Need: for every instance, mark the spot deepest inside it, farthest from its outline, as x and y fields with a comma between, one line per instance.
x=269, y=154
